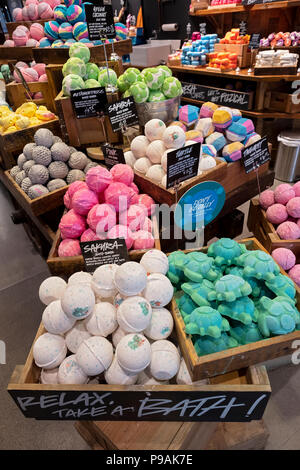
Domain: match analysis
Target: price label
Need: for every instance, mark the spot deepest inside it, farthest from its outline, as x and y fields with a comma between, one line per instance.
x=89, y=103
x=112, y=156
x=256, y=155
x=254, y=41
x=122, y=114
x=100, y=21
x=182, y=164
x=99, y=252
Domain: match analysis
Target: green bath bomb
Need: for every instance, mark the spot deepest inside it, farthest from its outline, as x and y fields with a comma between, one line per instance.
x=171, y=87
x=122, y=84
x=81, y=51
x=72, y=82
x=156, y=96
x=75, y=66
x=107, y=77
x=130, y=75
x=139, y=91
x=92, y=71
x=154, y=78
x=91, y=83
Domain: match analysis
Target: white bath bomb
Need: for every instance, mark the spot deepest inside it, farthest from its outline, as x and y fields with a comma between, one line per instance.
x=49, y=351
x=133, y=353
x=52, y=289
x=95, y=355
x=80, y=278
x=161, y=324
x=183, y=376
x=145, y=378
x=130, y=278
x=134, y=314
x=76, y=336
x=165, y=360
x=164, y=159
x=139, y=146
x=103, y=320
x=154, y=129
x=156, y=173
x=70, y=372
x=55, y=320
x=155, y=261
x=206, y=163
x=164, y=181
x=118, y=299
x=129, y=158
x=103, y=281
x=117, y=336
x=159, y=290
x=142, y=165
x=155, y=151
x=174, y=137
x=78, y=301
x=49, y=376
x=115, y=375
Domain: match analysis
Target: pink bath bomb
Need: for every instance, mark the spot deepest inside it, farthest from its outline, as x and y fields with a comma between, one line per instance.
x=43, y=78
x=122, y=174
x=20, y=37
x=294, y=274
x=40, y=69
x=69, y=247
x=283, y=193
x=143, y=240
x=134, y=217
x=9, y=43
x=288, y=231
x=135, y=188
x=296, y=188
x=32, y=11
x=266, y=198
x=17, y=14
x=118, y=195
x=29, y=2
x=276, y=214
x=293, y=207
x=32, y=43
x=101, y=218
x=45, y=11
x=25, y=14
x=67, y=200
x=89, y=236
x=37, y=31
x=122, y=231
x=147, y=225
x=98, y=178
x=83, y=200
x=284, y=257
x=30, y=75
x=72, y=225
x=53, y=3
x=22, y=65
x=38, y=95
x=76, y=186
x=24, y=28
x=144, y=200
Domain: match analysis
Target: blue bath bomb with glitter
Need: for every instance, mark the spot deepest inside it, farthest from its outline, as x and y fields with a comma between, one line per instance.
x=45, y=42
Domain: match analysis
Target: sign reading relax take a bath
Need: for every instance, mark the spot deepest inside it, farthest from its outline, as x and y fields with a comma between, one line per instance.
x=99, y=252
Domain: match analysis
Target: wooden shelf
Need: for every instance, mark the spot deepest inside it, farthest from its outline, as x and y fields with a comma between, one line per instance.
x=240, y=9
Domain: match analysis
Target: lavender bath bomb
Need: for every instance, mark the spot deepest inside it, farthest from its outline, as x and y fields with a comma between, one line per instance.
x=38, y=174
x=27, y=165
x=75, y=175
x=288, y=231
x=78, y=161
x=277, y=214
x=283, y=193
x=41, y=155
x=266, y=198
x=55, y=184
x=43, y=137
x=21, y=160
x=27, y=150
x=284, y=257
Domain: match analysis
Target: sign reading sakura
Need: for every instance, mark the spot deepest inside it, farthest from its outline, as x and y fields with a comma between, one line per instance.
x=99, y=252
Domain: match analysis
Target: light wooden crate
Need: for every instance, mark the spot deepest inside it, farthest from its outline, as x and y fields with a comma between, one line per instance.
x=17, y=96
x=234, y=358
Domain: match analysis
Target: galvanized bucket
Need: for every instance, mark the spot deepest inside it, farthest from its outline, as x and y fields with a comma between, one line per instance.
x=166, y=110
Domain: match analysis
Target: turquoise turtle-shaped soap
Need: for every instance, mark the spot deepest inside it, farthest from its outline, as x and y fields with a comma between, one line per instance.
x=283, y=286
x=174, y=274
x=205, y=321
x=254, y=283
x=207, y=345
x=229, y=288
x=225, y=251
x=258, y=264
x=199, y=291
x=277, y=316
x=241, y=309
x=245, y=334
x=185, y=305
x=199, y=266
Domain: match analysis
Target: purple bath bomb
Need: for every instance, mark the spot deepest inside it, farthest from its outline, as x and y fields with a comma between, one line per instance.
x=284, y=257
x=293, y=207
x=294, y=274
x=266, y=198
x=288, y=231
x=277, y=214
x=283, y=193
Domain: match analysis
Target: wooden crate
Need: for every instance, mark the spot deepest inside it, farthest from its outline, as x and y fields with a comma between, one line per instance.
x=265, y=232
x=234, y=358
x=23, y=53
x=244, y=56
x=16, y=94
x=84, y=131
x=133, y=402
x=282, y=102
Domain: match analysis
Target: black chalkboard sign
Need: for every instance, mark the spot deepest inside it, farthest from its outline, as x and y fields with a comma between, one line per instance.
x=99, y=252
x=243, y=27
x=89, y=103
x=112, y=156
x=234, y=99
x=122, y=114
x=256, y=155
x=249, y=3
x=254, y=41
x=182, y=164
x=102, y=404
x=100, y=21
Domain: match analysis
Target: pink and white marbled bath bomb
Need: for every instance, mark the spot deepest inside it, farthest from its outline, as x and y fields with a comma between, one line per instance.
x=296, y=188
x=283, y=193
x=288, y=231
x=134, y=217
x=144, y=200
x=284, y=257
x=122, y=231
x=69, y=247
x=143, y=240
x=101, y=218
x=266, y=198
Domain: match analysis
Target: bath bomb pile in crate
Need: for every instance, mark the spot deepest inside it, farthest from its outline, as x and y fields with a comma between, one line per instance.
x=48, y=164
x=114, y=322
x=26, y=115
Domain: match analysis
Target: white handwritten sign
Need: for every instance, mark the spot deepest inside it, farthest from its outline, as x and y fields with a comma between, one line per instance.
x=182, y=164
x=220, y=96
x=122, y=114
x=256, y=155
x=100, y=21
x=99, y=252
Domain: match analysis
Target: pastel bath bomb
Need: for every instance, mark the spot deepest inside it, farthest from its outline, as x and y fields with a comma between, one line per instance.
x=103, y=320
x=284, y=257
x=143, y=240
x=161, y=324
x=267, y=198
x=78, y=301
x=277, y=214
x=60, y=13
x=81, y=51
x=165, y=360
x=65, y=31
x=155, y=151
x=69, y=247
x=95, y=355
x=158, y=291
x=134, y=217
x=154, y=129
x=55, y=320
x=133, y=353
x=75, y=186
x=76, y=336
x=32, y=11
x=44, y=10
x=118, y=195
x=155, y=261
x=72, y=225
x=72, y=82
x=142, y=165
x=36, y=31
x=288, y=231
x=118, y=335
x=122, y=173
x=52, y=289
x=74, y=66
x=107, y=77
x=83, y=201
x=129, y=158
x=40, y=68
x=45, y=42
x=101, y=218
x=49, y=351
x=116, y=375
x=146, y=201
x=20, y=37
x=293, y=207
x=174, y=137
x=139, y=146
x=17, y=14
x=147, y=225
x=70, y=372
x=122, y=231
x=283, y=193
x=130, y=278
x=294, y=274
x=98, y=179
x=134, y=314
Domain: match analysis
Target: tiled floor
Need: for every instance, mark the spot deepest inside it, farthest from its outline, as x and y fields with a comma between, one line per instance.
x=21, y=272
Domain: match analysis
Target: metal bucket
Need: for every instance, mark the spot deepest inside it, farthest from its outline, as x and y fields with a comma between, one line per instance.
x=287, y=166
x=166, y=110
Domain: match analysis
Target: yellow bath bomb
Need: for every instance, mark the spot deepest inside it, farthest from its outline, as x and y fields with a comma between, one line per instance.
x=10, y=130
x=7, y=121
x=44, y=114
x=22, y=122
x=27, y=109
x=5, y=111
x=34, y=121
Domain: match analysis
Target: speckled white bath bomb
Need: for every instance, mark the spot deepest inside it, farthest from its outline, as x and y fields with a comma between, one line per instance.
x=52, y=289
x=117, y=336
x=155, y=261
x=142, y=165
x=165, y=360
x=80, y=278
x=115, y=375
x=164, y=159
x=158, y=291
x=155, y=151
x=95, y=355
x=145, y=378
x=103, y=281
x=55, y=320
x=174, y=137
x=139, y=146
x=103, y=320
x=129, y=158
x=183, y=376
x=134, y=314
x=78, y=301
x=49, y=376
x=130, y=278
x=133, y=353
x=161, y=324
x=49, y=351
x=76, y=336
x=70, y=372
x=154, y=129
x=156, y=173
x=206, y=163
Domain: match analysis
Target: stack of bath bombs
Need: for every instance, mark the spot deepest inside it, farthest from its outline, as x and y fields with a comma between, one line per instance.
x=48, y=164
x=233, y=37
x=151, y=84
x=27, y=115
x=34, y=72
x=231, y=296
x=112, y=326
x=282, y=208
x=35, y=10
x=281, y=39
x=26, y=36
x=106, y=205
x=194, y=52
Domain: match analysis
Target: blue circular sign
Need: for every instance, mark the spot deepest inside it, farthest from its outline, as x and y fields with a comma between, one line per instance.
x=200, y=205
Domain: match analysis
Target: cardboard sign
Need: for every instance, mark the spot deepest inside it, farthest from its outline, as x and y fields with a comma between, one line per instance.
x=99, y=252
x=100, y=21
x=90, y=102
x=254, y=41
x=122, y=114
x=256, y=155
x=112, y=156
x=182, y=164
x=233, y=99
